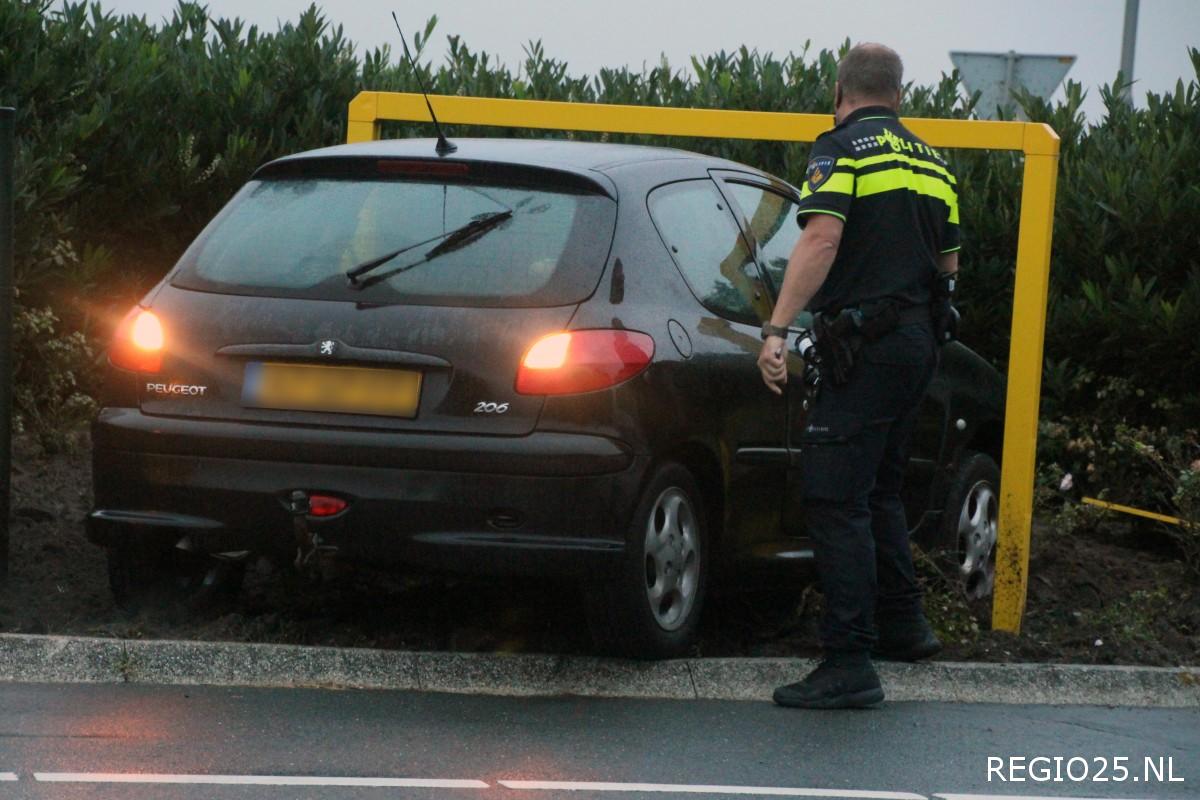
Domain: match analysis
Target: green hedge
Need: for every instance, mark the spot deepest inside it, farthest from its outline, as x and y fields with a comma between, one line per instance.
x=133, y=134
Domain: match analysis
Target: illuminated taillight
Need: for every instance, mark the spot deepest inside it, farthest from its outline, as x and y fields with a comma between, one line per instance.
x=583, y=361
x=138, y=343
x=323, y=505
x=549, y=352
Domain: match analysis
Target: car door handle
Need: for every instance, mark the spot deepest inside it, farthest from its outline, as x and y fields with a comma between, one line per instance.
x=776, y=456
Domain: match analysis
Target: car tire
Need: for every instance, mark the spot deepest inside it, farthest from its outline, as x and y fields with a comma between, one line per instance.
x=139, y=577
x=651, y=609
x=968, y=529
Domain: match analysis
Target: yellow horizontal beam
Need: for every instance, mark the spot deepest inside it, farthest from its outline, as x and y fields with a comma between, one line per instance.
x=1137, y=512
x=370, y=107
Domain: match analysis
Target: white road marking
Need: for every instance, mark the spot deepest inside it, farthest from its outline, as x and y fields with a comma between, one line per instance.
x=690, y=788
x=8, y=776
x=255, y=780
x=945, y=796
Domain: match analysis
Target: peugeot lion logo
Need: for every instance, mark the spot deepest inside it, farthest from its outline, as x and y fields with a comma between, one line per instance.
x=327, y=347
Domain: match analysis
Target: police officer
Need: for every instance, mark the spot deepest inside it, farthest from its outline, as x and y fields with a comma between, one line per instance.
x=875, y=264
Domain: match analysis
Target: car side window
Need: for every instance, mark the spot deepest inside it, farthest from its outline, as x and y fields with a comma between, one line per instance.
x=771, y=219
x=703, y=238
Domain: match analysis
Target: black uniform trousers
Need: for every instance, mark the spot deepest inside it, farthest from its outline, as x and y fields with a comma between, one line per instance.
x=854, y=450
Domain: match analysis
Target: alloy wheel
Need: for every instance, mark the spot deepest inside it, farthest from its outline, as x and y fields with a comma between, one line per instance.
x=977, y=525
x=672, y=559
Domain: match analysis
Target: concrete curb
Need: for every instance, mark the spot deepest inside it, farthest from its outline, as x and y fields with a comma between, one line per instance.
x=69, y=659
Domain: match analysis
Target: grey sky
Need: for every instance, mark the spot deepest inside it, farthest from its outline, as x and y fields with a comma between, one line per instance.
x=590, y=34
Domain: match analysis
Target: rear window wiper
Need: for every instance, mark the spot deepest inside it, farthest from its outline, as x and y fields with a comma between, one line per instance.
x=451, y=240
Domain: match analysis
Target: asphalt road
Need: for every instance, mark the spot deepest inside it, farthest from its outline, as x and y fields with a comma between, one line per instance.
x=81, y=741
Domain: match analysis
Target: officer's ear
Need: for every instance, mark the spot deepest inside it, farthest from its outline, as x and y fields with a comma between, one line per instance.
x=837, y=95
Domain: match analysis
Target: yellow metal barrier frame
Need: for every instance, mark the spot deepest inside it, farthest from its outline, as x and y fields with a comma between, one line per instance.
x=1038, y=142
x=1136, y=512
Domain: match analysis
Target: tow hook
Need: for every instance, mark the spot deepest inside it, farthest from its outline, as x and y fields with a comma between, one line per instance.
x=309, y=544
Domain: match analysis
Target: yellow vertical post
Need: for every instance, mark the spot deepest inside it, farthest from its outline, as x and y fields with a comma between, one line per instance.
x=363, y=122
x=1025, y=376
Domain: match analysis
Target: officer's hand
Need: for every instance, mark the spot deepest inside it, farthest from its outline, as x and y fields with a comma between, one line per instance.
x=773, y=364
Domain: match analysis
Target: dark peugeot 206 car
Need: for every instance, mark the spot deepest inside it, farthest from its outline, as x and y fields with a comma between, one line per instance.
x=528, y=358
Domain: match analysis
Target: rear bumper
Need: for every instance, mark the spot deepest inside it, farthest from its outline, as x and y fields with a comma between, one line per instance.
x=545, y=503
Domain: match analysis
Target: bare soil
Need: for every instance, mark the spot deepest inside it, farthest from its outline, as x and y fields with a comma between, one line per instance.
x=1117, y=595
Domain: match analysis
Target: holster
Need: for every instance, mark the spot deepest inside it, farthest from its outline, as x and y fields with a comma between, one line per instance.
x=840, y=336
x=837, y=342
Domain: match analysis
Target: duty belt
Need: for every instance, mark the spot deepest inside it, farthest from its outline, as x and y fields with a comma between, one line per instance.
x=839, y=336
x=913, y=314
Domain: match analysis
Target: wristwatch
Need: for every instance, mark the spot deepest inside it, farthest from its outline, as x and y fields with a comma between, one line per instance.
x=773, y=330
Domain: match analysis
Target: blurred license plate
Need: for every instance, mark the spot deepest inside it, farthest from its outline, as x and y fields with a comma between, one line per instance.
x=345, y=390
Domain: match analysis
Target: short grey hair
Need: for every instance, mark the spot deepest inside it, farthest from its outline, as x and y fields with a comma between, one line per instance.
x=870, y=71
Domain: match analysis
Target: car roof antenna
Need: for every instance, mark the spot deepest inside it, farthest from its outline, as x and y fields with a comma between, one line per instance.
x=444, y=146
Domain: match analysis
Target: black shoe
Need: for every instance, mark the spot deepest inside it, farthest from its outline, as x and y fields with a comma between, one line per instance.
x=835, y=683
x=907, y=645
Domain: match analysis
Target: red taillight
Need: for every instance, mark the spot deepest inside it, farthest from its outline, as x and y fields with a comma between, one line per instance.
x=583, y=361
x=323, y=505
x=138, y=343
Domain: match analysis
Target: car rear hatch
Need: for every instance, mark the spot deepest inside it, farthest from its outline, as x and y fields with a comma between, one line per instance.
x=261, y=322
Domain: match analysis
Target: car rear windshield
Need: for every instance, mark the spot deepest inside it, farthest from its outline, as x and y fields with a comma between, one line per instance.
x=298, y=235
